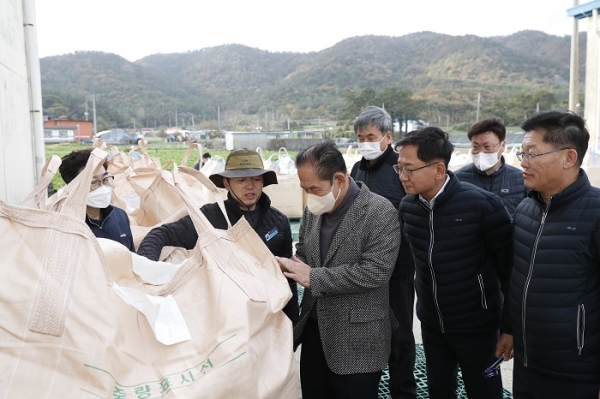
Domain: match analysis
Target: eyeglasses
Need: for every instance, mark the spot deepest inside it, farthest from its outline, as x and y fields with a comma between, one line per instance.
x=106, y=181
x=523, y=156
x=494, y=369
x=409, y=172
x=486, y=148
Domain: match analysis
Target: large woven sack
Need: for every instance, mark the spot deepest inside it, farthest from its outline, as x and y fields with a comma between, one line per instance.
x=351, y=157
x=215, y=164
x=68, y=331
x=287, y=196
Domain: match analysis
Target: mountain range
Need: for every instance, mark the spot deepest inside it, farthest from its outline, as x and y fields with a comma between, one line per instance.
x=445, y=73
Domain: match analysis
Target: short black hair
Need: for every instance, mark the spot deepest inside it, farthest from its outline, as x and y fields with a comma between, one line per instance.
x=375, y=116
x=206, y=155
x=493, y=125
x=561, y=129
x=432, y=144
x=325, y=158
x=73, y=163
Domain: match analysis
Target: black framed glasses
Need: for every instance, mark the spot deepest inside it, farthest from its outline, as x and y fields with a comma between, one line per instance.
x=409, y=172
x=494, y=369
x=521, y=156
x=106, y=181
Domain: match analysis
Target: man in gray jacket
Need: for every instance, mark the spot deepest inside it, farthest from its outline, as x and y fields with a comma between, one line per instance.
x=347, y=248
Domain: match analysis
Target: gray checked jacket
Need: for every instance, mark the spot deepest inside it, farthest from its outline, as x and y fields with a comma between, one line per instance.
x=350, y=288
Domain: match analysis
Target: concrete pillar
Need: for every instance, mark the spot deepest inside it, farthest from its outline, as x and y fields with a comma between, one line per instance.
x=574, y=76
x=17, y=153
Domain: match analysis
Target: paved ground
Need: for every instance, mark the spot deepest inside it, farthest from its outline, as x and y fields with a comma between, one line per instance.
x=507, y=367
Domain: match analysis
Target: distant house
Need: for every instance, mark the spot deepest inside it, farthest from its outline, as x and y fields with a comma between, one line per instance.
x=67, y=130
x=239, y=140
x=59, y=134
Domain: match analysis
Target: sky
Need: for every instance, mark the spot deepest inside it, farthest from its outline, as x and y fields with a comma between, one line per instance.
x=134, y=29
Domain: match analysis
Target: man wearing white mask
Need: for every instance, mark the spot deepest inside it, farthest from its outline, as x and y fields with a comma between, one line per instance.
x=488, y=170
x=105, y=220
x=346, y=251
x=373, y=129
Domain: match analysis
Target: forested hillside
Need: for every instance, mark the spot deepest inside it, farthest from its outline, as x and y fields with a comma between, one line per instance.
x=440, y=74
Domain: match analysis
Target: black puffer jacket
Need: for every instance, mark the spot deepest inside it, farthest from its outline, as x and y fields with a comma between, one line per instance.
x=506, y=182
x=555, y=285
x=381, y=179
x=463, y=256
x=271, y=225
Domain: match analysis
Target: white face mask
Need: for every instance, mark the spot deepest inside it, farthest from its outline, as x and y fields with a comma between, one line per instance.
x=370, y=150
x=100, y=197
x=319, y=205
x=484, y=161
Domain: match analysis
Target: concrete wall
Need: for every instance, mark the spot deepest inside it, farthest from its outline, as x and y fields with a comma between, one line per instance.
x=17, y=159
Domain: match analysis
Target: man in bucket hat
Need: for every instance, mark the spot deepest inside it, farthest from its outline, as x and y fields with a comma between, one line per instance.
x=244, y=178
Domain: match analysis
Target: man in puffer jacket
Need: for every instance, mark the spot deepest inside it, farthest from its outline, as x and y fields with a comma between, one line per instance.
x=244, y=178
x=555, y=285
x=489, y=171
x=460, y=236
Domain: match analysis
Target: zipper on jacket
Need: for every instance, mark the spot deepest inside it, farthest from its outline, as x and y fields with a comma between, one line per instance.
x=482, y=289
x=580, y=327
x=101, y=225
x=528, y=280
x=434, y=282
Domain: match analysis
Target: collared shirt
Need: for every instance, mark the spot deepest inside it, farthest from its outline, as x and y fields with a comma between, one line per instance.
x=430, y=204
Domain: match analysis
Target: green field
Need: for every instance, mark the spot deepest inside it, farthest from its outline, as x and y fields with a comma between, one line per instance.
x=161, y=150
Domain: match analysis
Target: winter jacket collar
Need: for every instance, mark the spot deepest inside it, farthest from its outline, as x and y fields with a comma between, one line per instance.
x=388, y=156
x=235, y=212
x=568, y=195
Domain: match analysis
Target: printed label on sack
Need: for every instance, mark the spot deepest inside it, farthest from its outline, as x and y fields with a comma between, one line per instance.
x=159, y=388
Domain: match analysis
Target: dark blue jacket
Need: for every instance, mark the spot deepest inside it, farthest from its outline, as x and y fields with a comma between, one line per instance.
x=114, y=226
x=506, y=182
x=555, y=284
x=463, y=256
x=381, y=179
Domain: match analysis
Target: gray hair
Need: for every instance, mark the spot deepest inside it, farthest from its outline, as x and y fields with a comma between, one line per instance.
x=375, y=116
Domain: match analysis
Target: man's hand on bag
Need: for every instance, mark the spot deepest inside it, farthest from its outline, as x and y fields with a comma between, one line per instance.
x=296, y=270
x=505, y=346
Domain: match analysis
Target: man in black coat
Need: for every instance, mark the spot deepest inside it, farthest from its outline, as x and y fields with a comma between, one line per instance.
x=460, y=236
x=488, y=170
x=373, y=129
x=244, y=178
x=555, y=285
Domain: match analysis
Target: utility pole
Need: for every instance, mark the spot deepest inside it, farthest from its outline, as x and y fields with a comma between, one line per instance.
x=176, y=120
x=86, y=113
x=94, y=112
x=478, y=104
x=219, y=118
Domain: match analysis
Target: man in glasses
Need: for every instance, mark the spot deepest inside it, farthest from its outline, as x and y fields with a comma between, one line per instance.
x=488, y=170
x=555, y=285
x=105, y=220
x=460, y=236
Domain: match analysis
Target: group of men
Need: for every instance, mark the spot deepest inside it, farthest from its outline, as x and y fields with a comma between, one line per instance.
x=504, y=262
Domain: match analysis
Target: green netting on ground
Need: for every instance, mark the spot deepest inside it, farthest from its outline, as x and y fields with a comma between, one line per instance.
x=420, y=373
x=421, y=379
